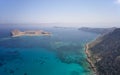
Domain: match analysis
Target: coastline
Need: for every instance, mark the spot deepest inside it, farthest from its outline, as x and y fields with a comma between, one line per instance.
x=89, y=59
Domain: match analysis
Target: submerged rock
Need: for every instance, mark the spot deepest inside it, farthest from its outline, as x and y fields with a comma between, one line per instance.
x=70, y=54
x=8, y=56
x=74, y=73
x=25, y=74
x=1, y=64
x=11, y=71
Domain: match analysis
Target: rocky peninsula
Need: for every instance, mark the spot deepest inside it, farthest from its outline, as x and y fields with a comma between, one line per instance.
x=18, y=33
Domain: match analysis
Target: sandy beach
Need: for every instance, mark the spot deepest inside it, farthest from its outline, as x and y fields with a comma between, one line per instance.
x=89, y=59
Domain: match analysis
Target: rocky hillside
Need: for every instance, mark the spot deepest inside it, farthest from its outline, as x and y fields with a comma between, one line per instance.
x=106, y=53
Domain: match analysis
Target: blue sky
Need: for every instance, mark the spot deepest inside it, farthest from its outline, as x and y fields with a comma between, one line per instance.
x=60, y=11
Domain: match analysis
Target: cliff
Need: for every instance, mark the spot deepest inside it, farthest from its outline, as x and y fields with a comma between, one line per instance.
x=16, y=33
x=105, y=53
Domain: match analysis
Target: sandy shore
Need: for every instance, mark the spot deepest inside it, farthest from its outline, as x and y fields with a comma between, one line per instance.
x=89, y=59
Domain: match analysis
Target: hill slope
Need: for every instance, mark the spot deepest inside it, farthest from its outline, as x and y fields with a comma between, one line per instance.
x=106, y=53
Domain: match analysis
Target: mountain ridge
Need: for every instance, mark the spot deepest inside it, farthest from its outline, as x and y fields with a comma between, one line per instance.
x=105, y=54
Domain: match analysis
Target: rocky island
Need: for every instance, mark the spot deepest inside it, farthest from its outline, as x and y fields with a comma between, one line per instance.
x=17, y=33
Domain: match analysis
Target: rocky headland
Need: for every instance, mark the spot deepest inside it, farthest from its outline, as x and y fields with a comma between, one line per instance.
x=97, y=30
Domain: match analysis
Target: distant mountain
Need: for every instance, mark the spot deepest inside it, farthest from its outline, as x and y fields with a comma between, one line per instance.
x=105, y=53
x=97, y=30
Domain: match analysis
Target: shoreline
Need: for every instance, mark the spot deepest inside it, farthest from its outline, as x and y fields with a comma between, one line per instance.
x=89, y=59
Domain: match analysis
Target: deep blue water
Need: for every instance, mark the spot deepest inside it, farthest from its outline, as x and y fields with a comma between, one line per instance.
x=59, y=54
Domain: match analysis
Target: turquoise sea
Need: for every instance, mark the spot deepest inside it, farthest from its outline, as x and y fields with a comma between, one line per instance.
x=62, y=53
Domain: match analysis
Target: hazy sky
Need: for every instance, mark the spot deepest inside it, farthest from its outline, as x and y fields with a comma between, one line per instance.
x=60, y=11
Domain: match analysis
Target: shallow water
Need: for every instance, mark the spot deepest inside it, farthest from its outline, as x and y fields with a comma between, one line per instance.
x=60, y=54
